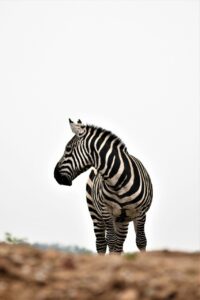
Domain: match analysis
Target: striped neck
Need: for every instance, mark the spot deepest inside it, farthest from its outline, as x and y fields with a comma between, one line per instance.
x=110, y=157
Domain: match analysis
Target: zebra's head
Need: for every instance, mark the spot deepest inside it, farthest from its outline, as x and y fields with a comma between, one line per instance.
x=75, y=159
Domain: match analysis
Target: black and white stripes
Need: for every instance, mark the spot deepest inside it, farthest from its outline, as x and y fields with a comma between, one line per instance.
x=119, y=189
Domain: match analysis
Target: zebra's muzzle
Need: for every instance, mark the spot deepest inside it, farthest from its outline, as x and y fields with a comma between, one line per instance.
x=61, y=178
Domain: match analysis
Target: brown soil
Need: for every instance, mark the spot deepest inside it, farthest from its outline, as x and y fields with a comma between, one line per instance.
x=30, y=274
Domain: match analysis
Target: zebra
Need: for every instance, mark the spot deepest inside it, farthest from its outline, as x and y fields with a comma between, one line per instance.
x=119, y=189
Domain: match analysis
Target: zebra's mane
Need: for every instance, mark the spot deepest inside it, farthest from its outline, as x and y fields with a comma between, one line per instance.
x=100, y=129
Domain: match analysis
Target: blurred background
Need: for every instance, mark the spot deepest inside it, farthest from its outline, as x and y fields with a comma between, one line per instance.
x=129, y=66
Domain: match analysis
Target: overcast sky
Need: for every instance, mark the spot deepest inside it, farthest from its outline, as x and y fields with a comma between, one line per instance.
x=129, y=66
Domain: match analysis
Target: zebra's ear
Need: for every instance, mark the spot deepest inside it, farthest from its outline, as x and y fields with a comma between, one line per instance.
x=77, y=128
x=79, y=121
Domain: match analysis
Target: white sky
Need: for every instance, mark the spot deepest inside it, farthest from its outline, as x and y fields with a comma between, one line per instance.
x=128, y=66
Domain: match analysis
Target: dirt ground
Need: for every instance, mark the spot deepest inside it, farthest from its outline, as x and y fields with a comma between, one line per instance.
x=27, y=273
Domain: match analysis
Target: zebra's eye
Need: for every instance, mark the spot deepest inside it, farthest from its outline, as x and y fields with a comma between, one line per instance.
x=68, y=148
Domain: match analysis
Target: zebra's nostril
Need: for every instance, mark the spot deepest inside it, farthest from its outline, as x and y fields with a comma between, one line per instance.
x=57, y=175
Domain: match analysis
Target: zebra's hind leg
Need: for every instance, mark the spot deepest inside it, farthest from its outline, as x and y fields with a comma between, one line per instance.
x=141, y=240
x=121, y=230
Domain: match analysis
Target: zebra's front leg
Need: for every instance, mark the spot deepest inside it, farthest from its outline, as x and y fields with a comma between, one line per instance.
x=101, y=244
x=98, y=225
x=121, y=230
x=141, y=240
x=111, y=240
